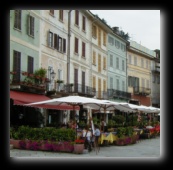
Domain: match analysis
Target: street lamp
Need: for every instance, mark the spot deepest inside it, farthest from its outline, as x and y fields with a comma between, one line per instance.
x=52, y=74
x=76, y=118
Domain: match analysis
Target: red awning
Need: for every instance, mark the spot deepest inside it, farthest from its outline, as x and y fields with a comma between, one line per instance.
x=21, y=98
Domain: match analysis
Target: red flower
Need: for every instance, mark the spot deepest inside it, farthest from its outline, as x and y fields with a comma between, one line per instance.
x=79, y=141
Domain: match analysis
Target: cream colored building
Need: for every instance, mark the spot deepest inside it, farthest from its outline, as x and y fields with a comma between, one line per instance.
x=139, y=72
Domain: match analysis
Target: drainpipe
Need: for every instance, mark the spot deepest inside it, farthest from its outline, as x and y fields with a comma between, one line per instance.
x=68, y=50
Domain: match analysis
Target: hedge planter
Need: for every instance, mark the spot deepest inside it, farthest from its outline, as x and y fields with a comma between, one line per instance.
x=15, y=143
x=43, y=145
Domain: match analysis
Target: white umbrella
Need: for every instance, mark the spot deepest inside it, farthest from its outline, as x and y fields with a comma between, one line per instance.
x=86, y=101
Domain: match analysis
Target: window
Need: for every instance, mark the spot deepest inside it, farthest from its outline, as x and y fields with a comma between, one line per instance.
x=111, y=60
x=133, y=81
x=83, y=49
x=99, y=37
x=130, y=59
x=118, y=84
x=31, y=26
x=123, y=86
x=17, y=19
x=115, y=43
x=111, y=40
x=51, y=12
x=57, y=42
x=142, y=62
x=50, y=39
x=118, y=44
x=117, y=63
x=123, y=65
x=104, y=38
x=83, y=82
x=122, y=48
x=16, y=65
x=61, y=15
x=143, y=82
x=61, y=44
x=146, y=63
x=60, y=74
x=135, y=61
x=94, y=57
x=104, y=63
x=77, y=17
x=111, y=83
x=30, y=64
x=99, y=63
x=104, y=85
x=94, y=31
x=76, y=80
x=76, y=45
x=94, y=82
x=158, y=79
x=153, y=78
x=83, y=23
x=148, y=84
x=99, y=88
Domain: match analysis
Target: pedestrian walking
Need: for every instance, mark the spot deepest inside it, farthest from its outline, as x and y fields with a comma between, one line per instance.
x=97, y=135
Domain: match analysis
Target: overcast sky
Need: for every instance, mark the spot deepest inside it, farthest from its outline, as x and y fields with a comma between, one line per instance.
x=143, y=26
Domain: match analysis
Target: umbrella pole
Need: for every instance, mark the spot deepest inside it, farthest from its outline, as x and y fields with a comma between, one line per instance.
x=75, y=120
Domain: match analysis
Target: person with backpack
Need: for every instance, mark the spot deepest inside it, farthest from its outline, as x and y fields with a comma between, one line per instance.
x=97, y=135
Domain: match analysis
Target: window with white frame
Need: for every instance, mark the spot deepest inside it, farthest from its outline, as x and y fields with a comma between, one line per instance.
x=110, y=40
x=77, y=17
x=17, y=19
x=94, y=31
x=31, y=25
x=83, y=23
x=76, y=45
x=130, y=59
x=111, y=83
x=83, y=49
x=60, y=74
x=135, y=60
x=148, y=84
x=146, y=63
x=117, y=63
x=50, y=39
x=123, y=65
x=57, y=42
x=118, y=85
x=123, y=85
x=111, y=60
x=61, y=15
x=143, y=82
x=142, y=62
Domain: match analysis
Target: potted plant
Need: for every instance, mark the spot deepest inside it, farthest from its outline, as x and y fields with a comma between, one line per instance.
x=78, y=146
x=60, y=81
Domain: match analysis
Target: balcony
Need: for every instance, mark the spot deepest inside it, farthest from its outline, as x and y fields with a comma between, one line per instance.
x=79, y=89
x=141, y=90
x=26, y=82
x=111, y=93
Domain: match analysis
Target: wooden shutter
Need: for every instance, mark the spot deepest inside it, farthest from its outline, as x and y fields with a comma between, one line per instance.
x=83, y=49
x=30, y=64
x=55, y=41
x=16, y=65
x=76, y=45
x=64, y=45
x=83, y=82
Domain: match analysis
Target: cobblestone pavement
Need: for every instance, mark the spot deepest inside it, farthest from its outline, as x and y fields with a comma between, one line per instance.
x=143, y=149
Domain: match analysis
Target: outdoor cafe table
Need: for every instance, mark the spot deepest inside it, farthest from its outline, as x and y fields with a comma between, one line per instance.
x=110, y=137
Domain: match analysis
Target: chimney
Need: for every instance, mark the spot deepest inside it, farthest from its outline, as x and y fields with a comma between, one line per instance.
x=115, y=30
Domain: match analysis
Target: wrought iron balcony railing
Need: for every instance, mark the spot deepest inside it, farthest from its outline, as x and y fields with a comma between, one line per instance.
x=141, y=90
